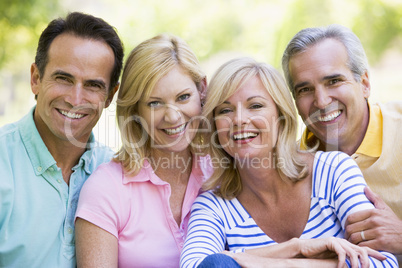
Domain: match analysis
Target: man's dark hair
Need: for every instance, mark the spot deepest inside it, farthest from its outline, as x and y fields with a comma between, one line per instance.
x=85, y=26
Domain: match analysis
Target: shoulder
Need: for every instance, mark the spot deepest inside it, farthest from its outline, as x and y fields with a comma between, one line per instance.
x=334, y=165
x=333, y=158
x=9, y=137
x=391, y=110
x=210, y=201
x=208, y=198
x=108, y=169
x=106, y=176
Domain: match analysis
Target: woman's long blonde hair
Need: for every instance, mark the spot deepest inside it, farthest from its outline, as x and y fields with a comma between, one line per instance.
x=224, y=83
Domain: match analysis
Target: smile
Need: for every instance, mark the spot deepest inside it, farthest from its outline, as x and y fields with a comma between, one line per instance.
x=174, y=131
x=71, y=115
x=244, y=136
x=329, y=117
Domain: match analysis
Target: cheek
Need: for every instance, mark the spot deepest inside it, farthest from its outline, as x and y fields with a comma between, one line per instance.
x=302, y=106
x=194, y=108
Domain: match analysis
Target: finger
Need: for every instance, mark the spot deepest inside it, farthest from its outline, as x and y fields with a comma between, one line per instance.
x=375, y=199
x=359, y=216
x=362, y=236
x=374, y=253
x=353, y=258
x=353, y=231
x=341, y=258
x=363, y=258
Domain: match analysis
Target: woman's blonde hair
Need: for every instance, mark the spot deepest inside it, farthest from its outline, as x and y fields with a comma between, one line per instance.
x=145, y=66
x=224, y=83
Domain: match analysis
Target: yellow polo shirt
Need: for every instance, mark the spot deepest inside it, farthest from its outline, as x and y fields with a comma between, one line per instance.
x=380, y=154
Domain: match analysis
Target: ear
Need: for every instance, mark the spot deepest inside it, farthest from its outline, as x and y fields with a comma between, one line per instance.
x=35, y=79
x=366, y=87
x=111, y=94
x=203, y=89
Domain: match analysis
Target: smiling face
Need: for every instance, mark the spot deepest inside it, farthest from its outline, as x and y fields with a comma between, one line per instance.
x=170, y=114
x=74, y=88
x=330, y=101
x=247, y=122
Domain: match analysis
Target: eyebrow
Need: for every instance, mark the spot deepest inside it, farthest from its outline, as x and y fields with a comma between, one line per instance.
x=328, y=77
x=248, y=99
x=59, y=72
x=96, y=81
x=177, y=95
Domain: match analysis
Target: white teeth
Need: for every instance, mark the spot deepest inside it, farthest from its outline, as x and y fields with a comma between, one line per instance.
x=245, y=135
x=329, y=117
x=71, y=115
x=173, y=131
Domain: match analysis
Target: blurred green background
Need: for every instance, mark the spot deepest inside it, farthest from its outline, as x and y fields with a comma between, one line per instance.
x=217, y=30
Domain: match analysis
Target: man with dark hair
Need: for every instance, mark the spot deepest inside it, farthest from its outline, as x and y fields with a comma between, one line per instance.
x=47, y=155
x=326, y=69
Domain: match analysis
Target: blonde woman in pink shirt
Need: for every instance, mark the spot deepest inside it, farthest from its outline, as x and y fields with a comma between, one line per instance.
x=134, y=210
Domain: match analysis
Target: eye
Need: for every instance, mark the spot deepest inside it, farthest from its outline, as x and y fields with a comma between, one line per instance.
x=334, y=81
x=154, y=104
x=256, y=106
x=183, y=97
x=62, y=79
x=302, y=90
x=224, y=110
x=95, y=85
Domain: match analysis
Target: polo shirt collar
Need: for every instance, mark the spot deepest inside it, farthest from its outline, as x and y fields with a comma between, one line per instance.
x=37, y=151
x=39, y=154
x=372, y=142
x=148, y=174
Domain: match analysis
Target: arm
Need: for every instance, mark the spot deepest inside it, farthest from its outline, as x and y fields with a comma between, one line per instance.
x=206, y=232
x=382, y=228
x=99, y=217
x=318, y=248
x=348, y=197
x=95, y=247
x=321, y=248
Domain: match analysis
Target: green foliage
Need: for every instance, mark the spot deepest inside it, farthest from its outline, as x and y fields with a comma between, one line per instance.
x=21, y=22
x=378, y=25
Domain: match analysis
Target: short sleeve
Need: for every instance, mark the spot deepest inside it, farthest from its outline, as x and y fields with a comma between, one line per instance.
x=100, y=199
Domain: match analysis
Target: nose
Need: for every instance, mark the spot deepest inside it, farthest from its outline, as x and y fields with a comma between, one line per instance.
x=241, y=116
x=172, y=114
x=321, y=97
x=75, y=95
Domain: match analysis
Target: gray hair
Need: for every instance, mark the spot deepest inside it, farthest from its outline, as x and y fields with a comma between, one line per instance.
x=357, y=59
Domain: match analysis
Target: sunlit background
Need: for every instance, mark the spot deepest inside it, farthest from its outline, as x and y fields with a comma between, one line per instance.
x=217, y=30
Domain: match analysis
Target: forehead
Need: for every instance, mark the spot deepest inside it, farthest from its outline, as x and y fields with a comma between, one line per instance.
x=252, y=87
x=89, y=58
x=173, y=81
x=327, y=56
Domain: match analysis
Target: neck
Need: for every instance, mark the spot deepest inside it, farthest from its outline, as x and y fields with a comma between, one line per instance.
x=261, y=177
x=64, y=152
x=171, y=166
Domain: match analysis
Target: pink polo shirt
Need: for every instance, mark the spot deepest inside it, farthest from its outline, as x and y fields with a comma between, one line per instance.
x=136, y=210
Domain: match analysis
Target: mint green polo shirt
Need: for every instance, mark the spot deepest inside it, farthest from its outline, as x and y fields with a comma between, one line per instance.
x=37, y=207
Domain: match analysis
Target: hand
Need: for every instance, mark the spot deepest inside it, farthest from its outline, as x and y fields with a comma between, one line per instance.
x=382, y=229
x=324, y=248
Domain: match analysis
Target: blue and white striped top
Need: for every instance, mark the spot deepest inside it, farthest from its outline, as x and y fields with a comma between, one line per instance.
x=217, y=224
